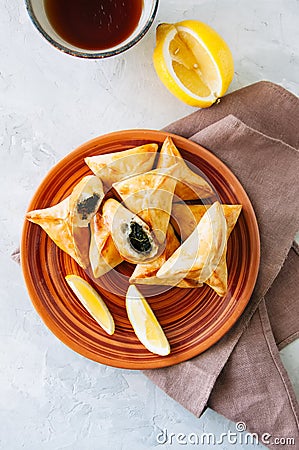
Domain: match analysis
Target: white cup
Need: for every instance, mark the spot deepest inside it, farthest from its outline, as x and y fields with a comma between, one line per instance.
x=37, y=14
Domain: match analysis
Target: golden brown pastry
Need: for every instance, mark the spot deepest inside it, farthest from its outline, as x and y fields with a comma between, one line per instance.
x=200, y=253
x=184, y=218
x=66, y=223
x=131, y=235
x=147, y=273
x=218, y=279
x=113, y=167
x=55, y=222
x=150, y=196
x=187, y=216
x=85, y=200
x=190, y=186
x=103, y=254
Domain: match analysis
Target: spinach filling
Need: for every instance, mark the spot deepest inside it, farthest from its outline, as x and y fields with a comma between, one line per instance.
x=139, y=239
x=87, y=206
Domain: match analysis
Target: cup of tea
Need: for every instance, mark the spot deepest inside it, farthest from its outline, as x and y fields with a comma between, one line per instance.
x=93, y=28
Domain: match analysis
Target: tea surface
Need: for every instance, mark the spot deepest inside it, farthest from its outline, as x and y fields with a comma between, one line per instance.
x=94, y=24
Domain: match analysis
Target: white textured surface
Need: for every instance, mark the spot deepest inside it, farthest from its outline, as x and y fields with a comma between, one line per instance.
x=51, y=398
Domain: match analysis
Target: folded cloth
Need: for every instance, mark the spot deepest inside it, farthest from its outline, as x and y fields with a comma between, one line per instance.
x=254, y=132
x=254, y=387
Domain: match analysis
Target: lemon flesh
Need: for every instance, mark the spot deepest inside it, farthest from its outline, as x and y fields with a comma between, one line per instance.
x=145, y=324
x=92, y=302
x=193, y=62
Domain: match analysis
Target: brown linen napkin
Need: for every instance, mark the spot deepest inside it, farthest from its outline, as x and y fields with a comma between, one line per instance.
x=253, y=386
x=286, y=329
x=242, y=376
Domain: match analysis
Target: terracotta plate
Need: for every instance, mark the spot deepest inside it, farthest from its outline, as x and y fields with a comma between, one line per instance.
x=193, y=319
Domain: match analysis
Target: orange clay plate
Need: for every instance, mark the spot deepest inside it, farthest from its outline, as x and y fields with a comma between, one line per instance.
x=192, y=319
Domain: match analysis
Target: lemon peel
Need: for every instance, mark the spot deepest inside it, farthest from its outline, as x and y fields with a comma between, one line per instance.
x=145, y=324
x=193, y=61
x=92, y=302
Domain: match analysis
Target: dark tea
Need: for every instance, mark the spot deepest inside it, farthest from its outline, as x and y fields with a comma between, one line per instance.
x=94, y=24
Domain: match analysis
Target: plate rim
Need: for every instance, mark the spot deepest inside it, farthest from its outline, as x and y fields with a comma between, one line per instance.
x=171, y=359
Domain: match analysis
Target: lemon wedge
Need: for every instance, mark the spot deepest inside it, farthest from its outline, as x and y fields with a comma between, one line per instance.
x=193, y=62
x=146, y=326
x=92, y=301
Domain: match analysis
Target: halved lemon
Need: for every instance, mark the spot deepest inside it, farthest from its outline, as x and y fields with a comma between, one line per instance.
x=92, y=301
x=193, y=61
x=145, y=324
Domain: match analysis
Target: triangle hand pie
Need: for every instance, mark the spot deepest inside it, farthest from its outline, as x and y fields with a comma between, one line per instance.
x=218, y=279
x=200, y=253
x=190, y=186
x=147, y=273
x=186, y=218
x=113, y=167
x=131, y=236
x=66, y=223
x=55, y=222
x=150, y=195
x=103, y=254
